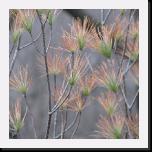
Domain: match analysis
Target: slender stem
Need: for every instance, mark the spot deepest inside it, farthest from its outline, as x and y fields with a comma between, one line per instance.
x=129, y=67
x=124, y=50
x=33, y=42
x=47, y=76
x=61, y=103
x=88, y=61
x=31, y=115
x=119, y=70
x=75, y=130
x=72, y=60
x=46, y=19
x=114, y=24
x=56, y=107
x=70, y=126
x=124, y=96
x=102, y=16
x=55, y=87
x=14, y=57
x=48, y=127
x=55, y=122
x=126, y=107
x=126, y=40
x=50, y=40
x=59, y=100
x=49, y=89
x=62, y=124
x=56, y=113
x=30, y=43
x=128, y=63
x=134, y=99
x=46, y=65
x=123, y=90
x=11, y=51
x=65, y=121
x=106, y=18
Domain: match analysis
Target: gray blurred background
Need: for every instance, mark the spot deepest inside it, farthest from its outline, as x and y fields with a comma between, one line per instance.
x=38, y=94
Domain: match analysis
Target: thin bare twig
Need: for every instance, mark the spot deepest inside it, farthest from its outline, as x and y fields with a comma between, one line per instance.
x=50, y=40
x=56, y=113
x=124, y=96
x=11, y=51
x=37, y=50
x=46, y=18
x=30, y=43
x=61, y=103
x=125, y=43
x=65, y=121
x=75, y=130
x=71, y=125
x=91, y=68
x=31, y=115
x=18, y=49
x=121, y=64
x=47, y=75
x=126, y=106
x=62, y=124
x=102, y=16
x=14, y=57
x=134, y=99
x=55, y=123
x=106, y=18
x=129, y=67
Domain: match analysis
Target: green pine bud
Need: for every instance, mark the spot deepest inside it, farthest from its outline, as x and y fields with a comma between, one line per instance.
x=73, y=79
x=112, y=85
x=15, y=36
x=28, y=25
x=134, y=56
x=106, y=50
x=81, y=42
x=117, y=133
x=85, y=92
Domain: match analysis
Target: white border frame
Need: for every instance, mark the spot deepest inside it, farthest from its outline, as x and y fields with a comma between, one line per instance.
x=142, y=142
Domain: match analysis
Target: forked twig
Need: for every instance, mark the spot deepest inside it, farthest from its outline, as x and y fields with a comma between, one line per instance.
x=71, y=125
x=30, y=43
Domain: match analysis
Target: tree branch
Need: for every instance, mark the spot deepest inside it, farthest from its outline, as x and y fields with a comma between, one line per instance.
x=47, y=74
